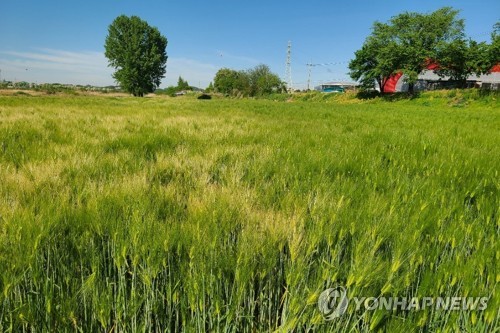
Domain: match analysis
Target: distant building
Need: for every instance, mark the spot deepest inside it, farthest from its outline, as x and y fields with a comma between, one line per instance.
x=428, y=80
x=336, y=87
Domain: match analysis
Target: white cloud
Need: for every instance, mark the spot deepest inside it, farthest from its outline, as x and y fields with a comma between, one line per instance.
x=89, y=67
x=194, y=72
x=237, y=59
x=48, y=65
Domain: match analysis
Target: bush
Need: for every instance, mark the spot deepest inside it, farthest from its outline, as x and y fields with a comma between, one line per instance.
x=257, y=81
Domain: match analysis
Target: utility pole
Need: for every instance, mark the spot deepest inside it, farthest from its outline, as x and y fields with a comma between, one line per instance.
x=309, y=67
x=288, y=73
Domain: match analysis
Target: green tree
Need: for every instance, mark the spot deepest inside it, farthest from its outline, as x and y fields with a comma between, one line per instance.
x=138, y=53
x=182, y=84
x=230, y=82
x=257, y=81
x=459, y=59
x=416, y=37
x=494, y=51
x=262, y=81
x=404, y=44
x=210, y=87
x=374, y=62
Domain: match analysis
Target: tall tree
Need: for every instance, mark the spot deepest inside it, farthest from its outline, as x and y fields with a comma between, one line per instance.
x=494, y=52
x=404, y=44
x=138, y=53
x=182, y=84
x=417, y=36
x=374, y=62
x=460, y=58
x=230, y=82
x=262, y=81
x=210, y=87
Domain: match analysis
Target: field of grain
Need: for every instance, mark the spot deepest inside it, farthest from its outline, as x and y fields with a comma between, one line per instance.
x=120, y=214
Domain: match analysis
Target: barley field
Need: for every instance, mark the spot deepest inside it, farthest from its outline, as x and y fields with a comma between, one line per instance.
x=120, y=214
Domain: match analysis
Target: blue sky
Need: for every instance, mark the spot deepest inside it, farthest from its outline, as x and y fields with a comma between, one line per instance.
x=62, y=41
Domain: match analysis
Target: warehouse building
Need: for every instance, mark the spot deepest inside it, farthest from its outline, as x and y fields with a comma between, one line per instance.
x=428, y=80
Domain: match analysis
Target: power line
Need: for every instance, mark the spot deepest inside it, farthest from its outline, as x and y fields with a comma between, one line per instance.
x=310, y=66
x=328, y=63
x=309, y=76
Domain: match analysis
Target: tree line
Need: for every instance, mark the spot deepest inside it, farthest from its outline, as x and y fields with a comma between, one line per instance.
x=409, y=42
x=257, y=81
x=138, y=53
x=406, y=44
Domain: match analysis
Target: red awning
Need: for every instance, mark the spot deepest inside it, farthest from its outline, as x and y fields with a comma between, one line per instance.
x=392, y=82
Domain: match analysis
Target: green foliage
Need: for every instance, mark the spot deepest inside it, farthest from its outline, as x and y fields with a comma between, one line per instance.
x=234, y=215
x=137, y=52
x=22, y=85
x=231, y=82
x=210, y=88
x=372, y=63
x=404, y=44
x=494, y=54
x=53, y=88
x=417, y=35
x=182, y=84
x=172, y=91
x=257, y=81
x=459, y=59
x=263, y=82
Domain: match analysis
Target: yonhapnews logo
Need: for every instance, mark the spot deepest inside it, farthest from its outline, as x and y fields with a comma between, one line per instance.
x=333, y=303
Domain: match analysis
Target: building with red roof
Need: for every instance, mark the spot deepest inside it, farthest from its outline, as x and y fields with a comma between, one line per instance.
x=428, y=80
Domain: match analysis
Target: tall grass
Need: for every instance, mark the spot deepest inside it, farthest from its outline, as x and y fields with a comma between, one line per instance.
x=138, y=215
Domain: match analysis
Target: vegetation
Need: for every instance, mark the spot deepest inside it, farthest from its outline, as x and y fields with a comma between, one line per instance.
x=495, y=45
x=182, y=86
x=234, y=215
x=410, y=40
x=137, y=52
x=53, y=88
x=258, y=81
x=210, y=87
x=263, y=82
x=461, y=58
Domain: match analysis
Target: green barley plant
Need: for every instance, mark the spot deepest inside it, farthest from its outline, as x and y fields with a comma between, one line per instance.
x=182, y=215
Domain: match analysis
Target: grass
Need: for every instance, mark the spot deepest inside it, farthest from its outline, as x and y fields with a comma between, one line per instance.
x=156, y=214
